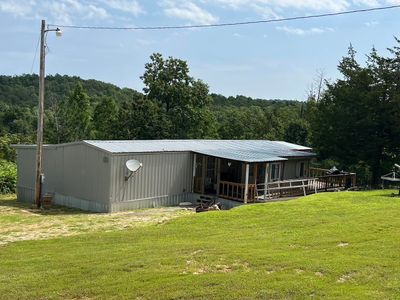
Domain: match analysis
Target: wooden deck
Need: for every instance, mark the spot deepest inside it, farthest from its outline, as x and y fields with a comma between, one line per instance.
x=318, y=182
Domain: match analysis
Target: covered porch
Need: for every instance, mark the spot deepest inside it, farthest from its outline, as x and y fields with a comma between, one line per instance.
x=250, y=182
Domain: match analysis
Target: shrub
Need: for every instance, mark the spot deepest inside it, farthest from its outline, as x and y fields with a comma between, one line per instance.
x=8, y=177
x=364, y=173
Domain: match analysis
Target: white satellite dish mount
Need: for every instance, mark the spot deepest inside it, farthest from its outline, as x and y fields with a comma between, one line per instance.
x=132, y=166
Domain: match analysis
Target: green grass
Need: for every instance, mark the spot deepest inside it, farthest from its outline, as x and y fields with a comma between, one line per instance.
x=333, y=245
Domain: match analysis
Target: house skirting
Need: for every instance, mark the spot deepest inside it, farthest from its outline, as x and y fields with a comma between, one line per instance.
x=27, y=195
x=158, y=201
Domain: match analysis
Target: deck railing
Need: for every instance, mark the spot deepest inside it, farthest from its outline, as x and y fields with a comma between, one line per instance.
x=325, y=181
x=236, y=191
x=318, y=181
x=286, y=188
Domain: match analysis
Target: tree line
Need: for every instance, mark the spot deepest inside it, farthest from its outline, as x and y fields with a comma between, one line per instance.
x=352, y=122
x=173, y=105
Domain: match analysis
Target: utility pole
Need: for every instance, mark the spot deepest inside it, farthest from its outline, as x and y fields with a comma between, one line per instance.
x=39, y=139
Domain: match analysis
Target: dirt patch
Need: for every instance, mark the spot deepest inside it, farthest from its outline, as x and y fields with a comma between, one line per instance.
x=18, y=222
x=197, y=264
x=345, y=277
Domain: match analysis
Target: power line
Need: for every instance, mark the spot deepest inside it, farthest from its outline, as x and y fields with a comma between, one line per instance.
x=34, y=57
x=230, y=24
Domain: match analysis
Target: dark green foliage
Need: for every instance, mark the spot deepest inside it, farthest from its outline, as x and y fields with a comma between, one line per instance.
x=23, y=90
x=140, y=118
x=8, y=177
x=243, y=101
x=105, y=116
x=70, y=120
x=255, y=122
x=6, y=140
x=363, y=171
x=174, y=105
x=297, y=132
x=18, y=119
x=184, y=100
x=357, y=119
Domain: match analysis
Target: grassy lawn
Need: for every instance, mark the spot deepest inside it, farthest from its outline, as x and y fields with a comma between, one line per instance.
x=333, y=245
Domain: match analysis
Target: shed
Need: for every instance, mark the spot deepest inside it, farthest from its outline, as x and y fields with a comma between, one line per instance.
x=90, y=174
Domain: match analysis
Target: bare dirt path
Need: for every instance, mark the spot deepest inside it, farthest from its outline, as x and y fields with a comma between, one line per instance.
x=19, y=222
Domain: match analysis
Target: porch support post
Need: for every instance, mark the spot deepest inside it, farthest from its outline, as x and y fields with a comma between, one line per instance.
x=218, y=174
x=203, y=173
x=246, y=183
x=266, y=180
x=194, y=171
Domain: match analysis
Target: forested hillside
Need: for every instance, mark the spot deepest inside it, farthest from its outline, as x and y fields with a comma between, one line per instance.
x=24, y=89
x=352, y=122
x=90, y=109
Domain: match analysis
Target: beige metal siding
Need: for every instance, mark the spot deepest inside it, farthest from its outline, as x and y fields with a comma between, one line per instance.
x=86, y=174
x=291, y=168
x=26, y=168
x=164, y=179
x=76, y=174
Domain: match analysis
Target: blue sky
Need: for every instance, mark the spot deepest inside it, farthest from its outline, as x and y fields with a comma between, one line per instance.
x=277, y=60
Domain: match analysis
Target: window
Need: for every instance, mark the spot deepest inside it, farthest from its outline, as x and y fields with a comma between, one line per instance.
x=301, y=170
x=275, y=171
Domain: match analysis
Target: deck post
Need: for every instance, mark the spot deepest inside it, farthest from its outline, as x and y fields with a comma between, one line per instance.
x=266, y=180
x=218, y=174
x=194, y=171
x=246, y=183
x=203, y=173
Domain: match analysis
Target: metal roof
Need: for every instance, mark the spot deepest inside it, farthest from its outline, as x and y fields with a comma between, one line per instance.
x=241, y=150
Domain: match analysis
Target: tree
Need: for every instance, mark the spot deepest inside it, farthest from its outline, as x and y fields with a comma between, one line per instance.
x=105, y=118
x=184, y=99
x=74, y=117
x=297, y=132
x=356, y=120
x=141, y=119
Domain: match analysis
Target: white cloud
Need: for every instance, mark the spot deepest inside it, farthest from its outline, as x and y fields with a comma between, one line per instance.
x=60, y=11
x=371, y=23
x=132, y=7
x=96, y=12
x=194, y=11
x=370, y=3
x=302, y=32
x=64, y=11
x=18, y=9
x=265, y=11
x=277, y=6
x=145, y=42
x=187, y=10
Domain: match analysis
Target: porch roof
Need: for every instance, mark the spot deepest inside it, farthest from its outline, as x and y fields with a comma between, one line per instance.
x=242, y=155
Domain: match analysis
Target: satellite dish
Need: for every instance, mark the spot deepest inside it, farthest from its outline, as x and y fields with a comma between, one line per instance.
x=132, y=165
